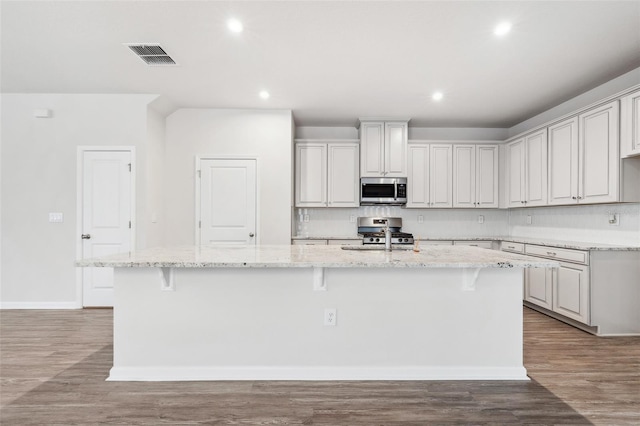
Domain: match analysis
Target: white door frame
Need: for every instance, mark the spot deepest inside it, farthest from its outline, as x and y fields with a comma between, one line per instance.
x=198, y=186
x=79, y=205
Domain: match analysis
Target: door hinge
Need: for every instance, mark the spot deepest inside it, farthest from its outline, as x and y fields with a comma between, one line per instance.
x=129, y=166
x=129, y=224
x=199, y=224
x=199, y=173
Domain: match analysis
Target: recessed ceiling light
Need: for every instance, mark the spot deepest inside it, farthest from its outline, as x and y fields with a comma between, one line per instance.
x=502, y=28
x=264, y=94
x=235, y=26
x=437, y=96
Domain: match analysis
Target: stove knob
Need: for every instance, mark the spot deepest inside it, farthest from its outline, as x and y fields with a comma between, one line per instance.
x=377, y=240
x=406, y=240
x=371, y=239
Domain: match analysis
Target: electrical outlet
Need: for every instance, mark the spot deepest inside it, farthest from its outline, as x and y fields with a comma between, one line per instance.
x=330, y=316
x=529, y=220
x=420, y=218
x=614, y=219
x=480, y=219
x=352, y=218
x=306, y=218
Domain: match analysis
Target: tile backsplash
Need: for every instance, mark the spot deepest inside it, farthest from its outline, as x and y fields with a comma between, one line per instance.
x=435, y=223
x=588, y=223
x=572, y=223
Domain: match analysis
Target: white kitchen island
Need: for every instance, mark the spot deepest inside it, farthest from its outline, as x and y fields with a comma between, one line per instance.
x=259, y=313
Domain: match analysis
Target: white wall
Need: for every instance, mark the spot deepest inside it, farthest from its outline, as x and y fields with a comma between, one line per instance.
x=154, y=215
x=585, y=99
x=415, y=133
x=264, y=134
x=578, y=223
x=39, y=176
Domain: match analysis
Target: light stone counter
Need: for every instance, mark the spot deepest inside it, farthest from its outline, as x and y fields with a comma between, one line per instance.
x=284, y=256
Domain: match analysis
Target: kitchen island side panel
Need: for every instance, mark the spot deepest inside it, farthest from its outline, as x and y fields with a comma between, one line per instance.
x=268, y=323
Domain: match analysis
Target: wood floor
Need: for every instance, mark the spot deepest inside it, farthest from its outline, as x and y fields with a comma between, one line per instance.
x=54, y=365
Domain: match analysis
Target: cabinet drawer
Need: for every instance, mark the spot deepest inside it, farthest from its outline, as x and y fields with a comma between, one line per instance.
x=345, y=242
x=309, y=242
x=512, y=247
x=482, y=244
x=575, y=256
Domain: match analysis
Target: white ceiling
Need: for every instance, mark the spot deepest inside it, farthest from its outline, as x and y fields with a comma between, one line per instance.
x=329, y=62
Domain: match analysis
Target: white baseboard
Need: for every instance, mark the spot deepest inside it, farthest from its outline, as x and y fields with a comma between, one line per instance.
x=40, y=305
x=153, y=374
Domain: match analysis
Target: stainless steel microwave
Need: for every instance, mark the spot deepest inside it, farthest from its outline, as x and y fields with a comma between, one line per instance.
x=386, y=191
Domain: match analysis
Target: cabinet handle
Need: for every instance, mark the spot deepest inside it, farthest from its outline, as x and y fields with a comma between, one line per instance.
x=511, y=247
x=550, y=253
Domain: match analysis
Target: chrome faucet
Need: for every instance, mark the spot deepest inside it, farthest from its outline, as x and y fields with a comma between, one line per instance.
x=387, y=236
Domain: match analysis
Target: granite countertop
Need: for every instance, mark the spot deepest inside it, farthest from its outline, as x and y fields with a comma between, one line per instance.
x=577, y=245
x=285, y=256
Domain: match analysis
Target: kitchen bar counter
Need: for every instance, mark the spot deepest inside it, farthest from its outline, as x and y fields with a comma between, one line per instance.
x=282, y=256
x=317, y=313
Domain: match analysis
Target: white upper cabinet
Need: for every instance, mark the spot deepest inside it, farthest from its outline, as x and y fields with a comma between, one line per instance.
x=430, y=176
x=527, y=170
x=327, y=174
x=343, y=175
x=563, y=162
x=584, y=161
x=383, y=148
x=598, y=170
x=475, y=176
x=630, y=124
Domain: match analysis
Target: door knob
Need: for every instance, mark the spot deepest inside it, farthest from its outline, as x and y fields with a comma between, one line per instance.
x=251, y=234
x=86, y=236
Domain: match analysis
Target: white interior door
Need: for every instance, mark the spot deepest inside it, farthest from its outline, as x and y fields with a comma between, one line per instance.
x=106, y=218
x=228, y=201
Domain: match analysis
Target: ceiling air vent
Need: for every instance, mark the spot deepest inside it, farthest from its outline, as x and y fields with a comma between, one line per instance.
x=151, y=53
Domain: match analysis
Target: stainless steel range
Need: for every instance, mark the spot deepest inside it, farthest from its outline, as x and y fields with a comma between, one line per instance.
x=372, y=230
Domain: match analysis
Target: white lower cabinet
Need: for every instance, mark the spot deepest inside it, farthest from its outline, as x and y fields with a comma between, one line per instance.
x=564, y=290
x=537, y=286
x=571, y=292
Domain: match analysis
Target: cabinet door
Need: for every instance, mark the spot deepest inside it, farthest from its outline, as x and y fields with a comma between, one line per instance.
x=343, y=175
x=571, y=292
x=464, y=176
x=311, y=175
x=515, y=153
x=372, y=149
x=395, y=149
x=538, y=286
x=630, y=124
x=440, y=175
x=563, y=162
x=418, y=177
x=600, y=160
x=536, y=169
x=486, y=180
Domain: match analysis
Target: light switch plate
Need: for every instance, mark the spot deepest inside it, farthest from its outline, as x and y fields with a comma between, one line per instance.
x=480, y=219
x=56, y=217
x=529, y=220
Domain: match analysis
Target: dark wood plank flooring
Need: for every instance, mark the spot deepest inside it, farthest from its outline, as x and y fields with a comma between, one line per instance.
x=54, y=364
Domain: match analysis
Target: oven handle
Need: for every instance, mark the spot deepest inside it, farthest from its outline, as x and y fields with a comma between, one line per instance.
x=395, y=189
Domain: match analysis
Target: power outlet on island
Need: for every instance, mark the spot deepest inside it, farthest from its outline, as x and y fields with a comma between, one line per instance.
x=330, y=316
